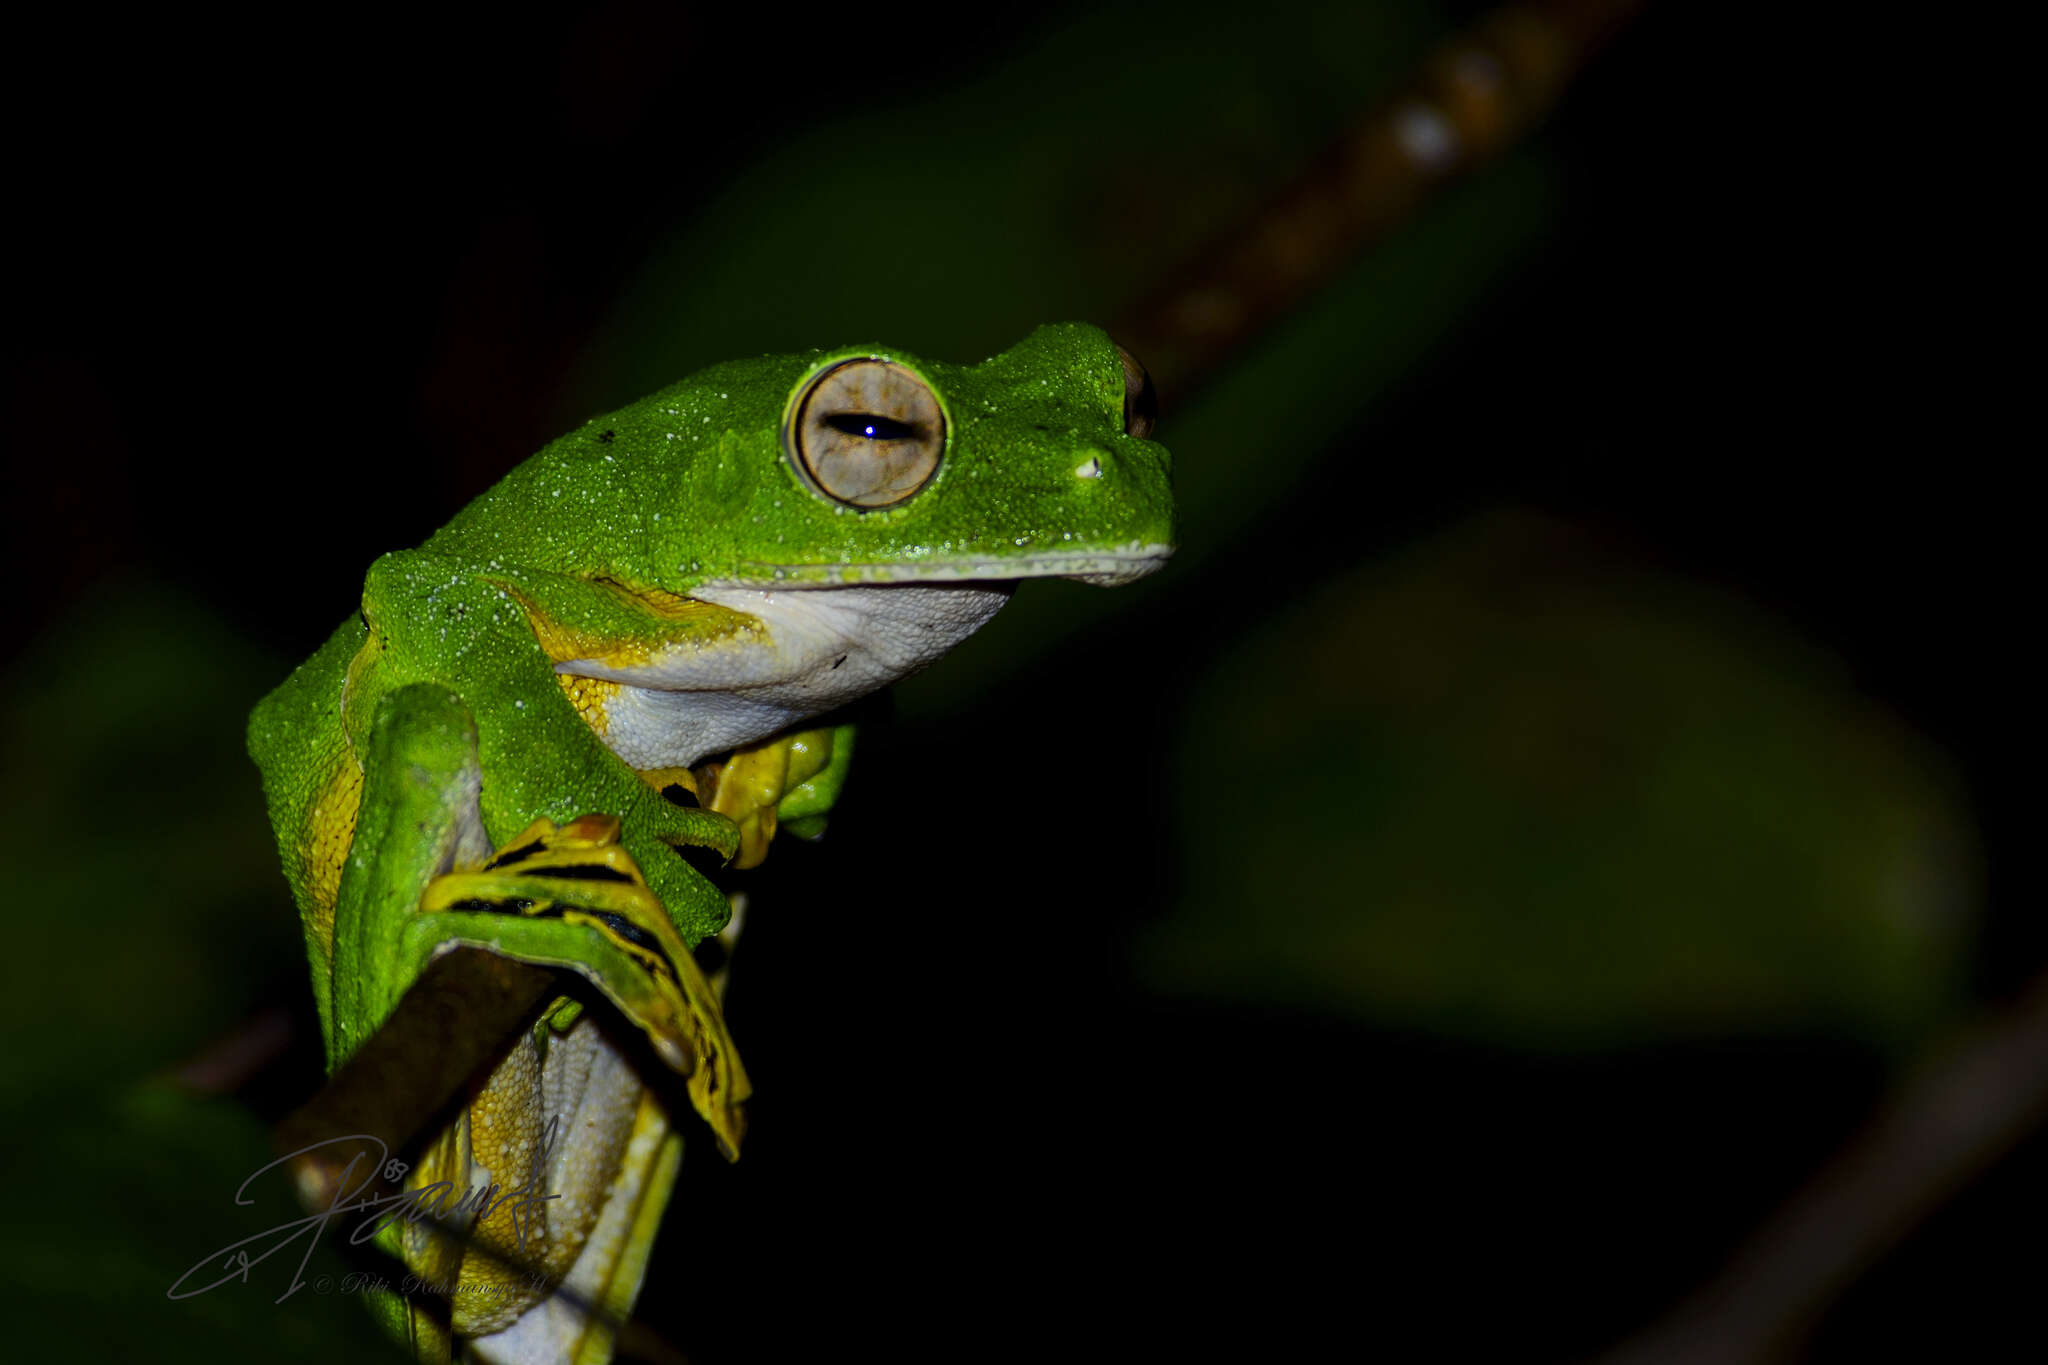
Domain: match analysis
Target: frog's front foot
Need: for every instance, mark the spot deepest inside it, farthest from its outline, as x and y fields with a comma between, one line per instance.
x=572, y=897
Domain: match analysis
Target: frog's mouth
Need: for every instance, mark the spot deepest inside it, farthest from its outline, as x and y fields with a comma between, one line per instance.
x=1104, y=568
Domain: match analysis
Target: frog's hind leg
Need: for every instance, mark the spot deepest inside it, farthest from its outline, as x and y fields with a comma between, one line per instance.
x=578, y=1322
x=604, y=1150
x=418, y=818
x=421, y=886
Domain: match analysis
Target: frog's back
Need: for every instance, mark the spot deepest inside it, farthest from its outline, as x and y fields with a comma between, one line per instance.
x=310, y=780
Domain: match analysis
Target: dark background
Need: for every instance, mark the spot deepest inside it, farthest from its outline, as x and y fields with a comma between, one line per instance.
x=286, y=297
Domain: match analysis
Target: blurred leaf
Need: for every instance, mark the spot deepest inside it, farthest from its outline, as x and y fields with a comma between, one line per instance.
x=143, y=881
x=1510, y=785
x=134, y=1189
x=145, y=892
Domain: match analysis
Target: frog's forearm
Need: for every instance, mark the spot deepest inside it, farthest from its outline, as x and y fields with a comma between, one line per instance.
x=571, y=898
x=539, y=756
x=422, y=776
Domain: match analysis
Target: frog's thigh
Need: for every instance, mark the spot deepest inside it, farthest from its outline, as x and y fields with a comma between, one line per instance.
x=613, y=1188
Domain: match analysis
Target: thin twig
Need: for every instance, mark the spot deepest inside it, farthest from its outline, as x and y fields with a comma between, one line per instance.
x=1950, y=1119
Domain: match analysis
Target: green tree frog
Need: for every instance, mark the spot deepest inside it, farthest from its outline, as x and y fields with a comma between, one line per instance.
x=605, y=679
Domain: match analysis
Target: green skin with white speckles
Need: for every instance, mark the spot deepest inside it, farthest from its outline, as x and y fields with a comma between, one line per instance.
x=689, y=487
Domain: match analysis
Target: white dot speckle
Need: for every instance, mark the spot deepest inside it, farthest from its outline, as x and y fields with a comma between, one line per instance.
x=1426, y=135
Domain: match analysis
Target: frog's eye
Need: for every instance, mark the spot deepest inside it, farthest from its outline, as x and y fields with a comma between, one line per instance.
x=867, y=433
x=1141, y=400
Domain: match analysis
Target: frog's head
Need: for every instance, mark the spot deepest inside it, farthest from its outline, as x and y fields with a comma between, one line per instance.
x=1036, y=463
x=855, y=514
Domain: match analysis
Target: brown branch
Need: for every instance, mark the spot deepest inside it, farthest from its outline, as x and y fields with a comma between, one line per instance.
x=236, y=1057
x=453, y=1022
x=454, y=1019
x=1473, y=98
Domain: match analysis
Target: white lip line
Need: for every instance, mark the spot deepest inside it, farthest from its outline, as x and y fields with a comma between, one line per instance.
x=1054, y=565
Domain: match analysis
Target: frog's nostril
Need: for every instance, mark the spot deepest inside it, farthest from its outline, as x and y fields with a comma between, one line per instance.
x=1090, y=468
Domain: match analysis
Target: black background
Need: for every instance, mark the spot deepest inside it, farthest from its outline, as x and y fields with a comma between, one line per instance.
x=264, y=277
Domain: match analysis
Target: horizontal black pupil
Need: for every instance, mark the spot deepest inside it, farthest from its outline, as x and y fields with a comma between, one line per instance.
x=868, y=425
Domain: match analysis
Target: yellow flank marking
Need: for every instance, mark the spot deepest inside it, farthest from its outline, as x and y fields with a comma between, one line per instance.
x=663, y=618
x=670, y=606
x=563, y=642
x=591, y=697
x=323, y=844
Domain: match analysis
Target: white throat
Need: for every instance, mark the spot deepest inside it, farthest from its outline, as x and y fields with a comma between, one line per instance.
x=818, y=649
